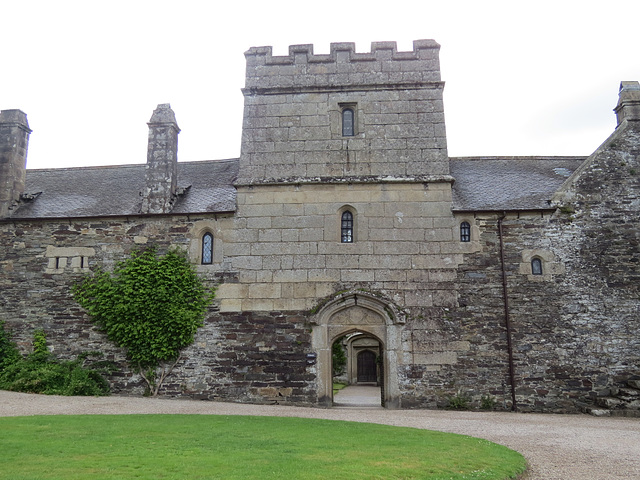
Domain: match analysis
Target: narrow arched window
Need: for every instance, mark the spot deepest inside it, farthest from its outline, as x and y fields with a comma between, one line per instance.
x=207, y=249
x=465, y=232
x=347, y=122
x=536, y=266
x=346, y=235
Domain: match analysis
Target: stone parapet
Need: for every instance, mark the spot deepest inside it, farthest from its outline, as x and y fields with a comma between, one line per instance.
x=343, y=67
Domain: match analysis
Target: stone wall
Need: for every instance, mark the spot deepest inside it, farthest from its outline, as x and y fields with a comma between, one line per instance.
x=292, y=118
x=286, y=245
x=249, y=357
x=574, y=334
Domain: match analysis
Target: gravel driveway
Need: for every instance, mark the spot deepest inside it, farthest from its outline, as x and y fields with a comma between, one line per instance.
x=557, y=447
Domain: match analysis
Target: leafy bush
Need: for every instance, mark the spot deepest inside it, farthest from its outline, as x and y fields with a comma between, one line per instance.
x=40, y=372
x=459, y=402
x=151, y=305
x=487, y=403
x=8, y=349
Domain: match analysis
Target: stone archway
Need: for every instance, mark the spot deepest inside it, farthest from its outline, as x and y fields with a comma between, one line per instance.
x=362, y=312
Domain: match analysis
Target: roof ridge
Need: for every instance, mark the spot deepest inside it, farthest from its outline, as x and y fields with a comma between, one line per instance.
x=125, y=165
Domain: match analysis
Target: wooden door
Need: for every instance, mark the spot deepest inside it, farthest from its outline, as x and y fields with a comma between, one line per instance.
x=367, y=367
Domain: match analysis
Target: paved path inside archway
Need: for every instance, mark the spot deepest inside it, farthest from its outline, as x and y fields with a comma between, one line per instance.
x=358, y=396
x=557, y=447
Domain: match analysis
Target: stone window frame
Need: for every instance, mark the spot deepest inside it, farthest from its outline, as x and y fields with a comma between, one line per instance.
x=551, y=266
x=67, y=259
x=206, y=250
x=350, y=209
x=198, y=231
x=473, y=245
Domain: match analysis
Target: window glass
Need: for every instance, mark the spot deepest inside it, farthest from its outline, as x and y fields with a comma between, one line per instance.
x=536, y=266
x=465, y=232
x=207, y=249
x=347, y=227
x=347, y=122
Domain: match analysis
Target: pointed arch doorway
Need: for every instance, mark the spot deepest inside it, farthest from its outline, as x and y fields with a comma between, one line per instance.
x=368, y=315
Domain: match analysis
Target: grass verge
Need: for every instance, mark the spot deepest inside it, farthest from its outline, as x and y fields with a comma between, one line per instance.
x=338, y=386
x=239, y=447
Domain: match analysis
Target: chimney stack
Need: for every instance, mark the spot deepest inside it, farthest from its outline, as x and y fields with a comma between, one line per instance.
x=628, y=107
x=14, y=141
x=161, y=173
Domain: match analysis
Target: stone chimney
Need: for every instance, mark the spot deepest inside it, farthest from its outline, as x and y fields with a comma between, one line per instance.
x=14, y=141
x=161, y=172
x=628, y=107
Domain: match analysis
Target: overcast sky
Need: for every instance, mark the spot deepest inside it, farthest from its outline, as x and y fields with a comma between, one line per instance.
x=521, y=78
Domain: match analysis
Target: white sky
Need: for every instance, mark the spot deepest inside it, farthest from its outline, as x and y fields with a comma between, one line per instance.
x=522, y=78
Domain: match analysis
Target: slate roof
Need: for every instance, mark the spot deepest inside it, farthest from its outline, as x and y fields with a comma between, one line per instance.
x=508, y=183
x=481, y=184
x=115, y=190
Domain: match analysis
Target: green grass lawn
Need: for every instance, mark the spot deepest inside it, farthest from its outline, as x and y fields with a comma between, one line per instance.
x=239, y=447
x=337, y=387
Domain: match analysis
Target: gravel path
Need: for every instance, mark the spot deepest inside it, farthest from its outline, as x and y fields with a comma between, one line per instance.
x=557, y=447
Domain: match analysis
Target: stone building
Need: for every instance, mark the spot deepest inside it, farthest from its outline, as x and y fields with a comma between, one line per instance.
x=509, y=279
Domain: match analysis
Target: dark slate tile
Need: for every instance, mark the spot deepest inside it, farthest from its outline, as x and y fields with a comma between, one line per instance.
x=116, y=190
x=508, y=183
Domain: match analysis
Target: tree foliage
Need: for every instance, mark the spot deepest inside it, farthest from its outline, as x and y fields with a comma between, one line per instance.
x=339, y=357
x=151, y=305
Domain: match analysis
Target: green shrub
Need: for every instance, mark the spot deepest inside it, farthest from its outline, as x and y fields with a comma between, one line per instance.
x=40, y=372
x=8, y=349
x=458, y=402
x=40, y=349
x=487, y=402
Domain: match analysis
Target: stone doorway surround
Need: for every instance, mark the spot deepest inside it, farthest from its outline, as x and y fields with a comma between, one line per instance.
x=356, y=344
x=358, y=311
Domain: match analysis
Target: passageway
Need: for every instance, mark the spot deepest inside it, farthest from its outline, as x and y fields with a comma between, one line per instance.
x=361, y=396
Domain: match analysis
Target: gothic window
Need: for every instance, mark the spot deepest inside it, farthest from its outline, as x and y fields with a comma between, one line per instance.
x=346, y=230
x=536, y=266
x=465, y=232
x=207, y=249
x=348, y=121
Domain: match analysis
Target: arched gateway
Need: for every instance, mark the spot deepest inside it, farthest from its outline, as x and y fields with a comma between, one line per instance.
x=357, y=311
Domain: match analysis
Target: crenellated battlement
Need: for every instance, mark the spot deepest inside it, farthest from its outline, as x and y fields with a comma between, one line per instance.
x=380, y=51
x=343, y=66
